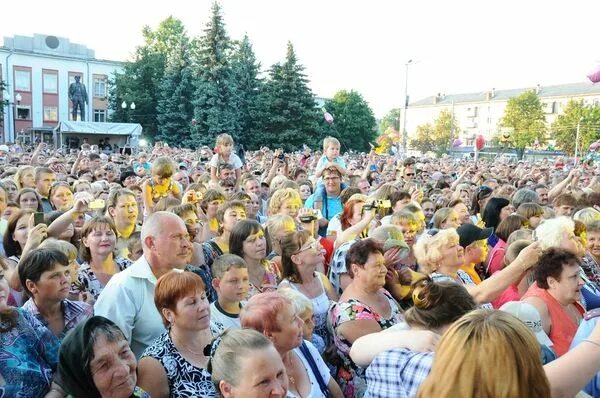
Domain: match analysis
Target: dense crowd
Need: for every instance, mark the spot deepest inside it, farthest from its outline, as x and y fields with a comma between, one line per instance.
x=221, y=272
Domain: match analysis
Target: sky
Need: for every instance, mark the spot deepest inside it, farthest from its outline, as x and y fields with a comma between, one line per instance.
x=456, y=46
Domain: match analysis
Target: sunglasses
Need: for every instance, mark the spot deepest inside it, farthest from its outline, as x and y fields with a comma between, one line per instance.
x=410, y=174
x=314, y=245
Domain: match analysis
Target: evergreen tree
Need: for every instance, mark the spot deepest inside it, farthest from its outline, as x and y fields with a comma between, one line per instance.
x=215, y=101
x=175, y=110
x=249, y=98
x=291, y=118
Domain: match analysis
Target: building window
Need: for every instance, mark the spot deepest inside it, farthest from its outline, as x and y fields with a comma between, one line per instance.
x=23, y=80
x=51, y=113
x=23, y=112
x=99, y=87
x=100, y=115
x=50, y=83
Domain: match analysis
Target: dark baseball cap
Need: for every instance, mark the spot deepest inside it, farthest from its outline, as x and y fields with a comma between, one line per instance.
x=469, y=233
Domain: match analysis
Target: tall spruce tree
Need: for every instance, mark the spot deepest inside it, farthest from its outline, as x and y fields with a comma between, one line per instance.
x=215, y=95
x=175, y=109
x=249, y=94
x=291, y=117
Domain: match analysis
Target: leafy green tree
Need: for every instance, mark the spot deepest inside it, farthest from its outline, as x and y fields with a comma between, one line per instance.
x=390, y=120
x=215, y=95
x=525, y=116
x=564, y=129
x=138, y=83
x=424, y=140
x=291, y=118
x=249, y=93
x=354, y=123
x=437, y=137
x=141, y=79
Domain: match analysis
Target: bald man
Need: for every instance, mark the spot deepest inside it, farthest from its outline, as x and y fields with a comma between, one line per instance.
x=128, y=298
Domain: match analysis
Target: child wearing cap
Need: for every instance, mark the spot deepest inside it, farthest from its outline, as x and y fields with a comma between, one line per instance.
x=474, y=241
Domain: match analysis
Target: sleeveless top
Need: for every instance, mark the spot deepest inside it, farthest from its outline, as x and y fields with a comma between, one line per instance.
x=320, y=308
x=563, y=328
x=185, y=380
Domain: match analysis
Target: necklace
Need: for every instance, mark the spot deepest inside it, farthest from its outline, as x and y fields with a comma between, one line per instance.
x=292, y=378
x=176, y=340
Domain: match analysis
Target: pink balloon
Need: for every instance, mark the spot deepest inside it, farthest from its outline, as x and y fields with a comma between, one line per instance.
x=595, y=75
x=328, y=117
x=594, y=146
x=479, y=142
x=456, y=143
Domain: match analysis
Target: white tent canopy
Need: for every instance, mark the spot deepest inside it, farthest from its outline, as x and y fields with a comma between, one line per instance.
x=122, y=134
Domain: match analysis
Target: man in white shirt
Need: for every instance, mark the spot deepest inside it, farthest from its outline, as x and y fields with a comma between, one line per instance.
x=128, y=298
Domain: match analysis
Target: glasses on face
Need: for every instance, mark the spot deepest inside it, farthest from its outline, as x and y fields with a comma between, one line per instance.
x=409, y=174
x=314, y=245
x=331, y=178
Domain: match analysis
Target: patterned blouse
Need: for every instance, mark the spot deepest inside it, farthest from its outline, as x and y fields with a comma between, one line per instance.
x=73, y=312
x=87, y=281
x=185, y=380
x=270, y=280
x=28, y=357
x=350, y=376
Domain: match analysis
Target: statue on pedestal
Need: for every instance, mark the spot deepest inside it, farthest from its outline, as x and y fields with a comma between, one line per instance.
x=78, y=96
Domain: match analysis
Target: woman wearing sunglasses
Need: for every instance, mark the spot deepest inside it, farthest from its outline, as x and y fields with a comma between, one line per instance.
x=301, y=255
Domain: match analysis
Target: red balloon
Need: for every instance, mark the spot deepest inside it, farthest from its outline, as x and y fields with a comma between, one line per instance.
x=479, y=142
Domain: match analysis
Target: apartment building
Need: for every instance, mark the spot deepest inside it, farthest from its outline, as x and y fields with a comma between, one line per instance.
x=481, y=112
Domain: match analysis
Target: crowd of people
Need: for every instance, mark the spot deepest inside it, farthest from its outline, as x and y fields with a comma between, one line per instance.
x=211, y=273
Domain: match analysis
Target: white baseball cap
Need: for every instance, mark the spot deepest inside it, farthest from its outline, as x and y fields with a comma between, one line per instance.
x=530, y=316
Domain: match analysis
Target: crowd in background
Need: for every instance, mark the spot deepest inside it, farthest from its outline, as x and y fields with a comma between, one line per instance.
x=224, y=272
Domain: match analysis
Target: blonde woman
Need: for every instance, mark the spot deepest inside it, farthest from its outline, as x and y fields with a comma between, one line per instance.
x=441, y=257
x=25, y=177
x=461, y=367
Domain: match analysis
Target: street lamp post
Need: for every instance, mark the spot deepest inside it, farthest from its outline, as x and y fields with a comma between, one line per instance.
x=577, y=139
x=124, y=107
x=13, y=105
x=404, y=133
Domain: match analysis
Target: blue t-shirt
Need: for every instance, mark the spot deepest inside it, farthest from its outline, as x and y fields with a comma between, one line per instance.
x=583, y=332
x=331, y=207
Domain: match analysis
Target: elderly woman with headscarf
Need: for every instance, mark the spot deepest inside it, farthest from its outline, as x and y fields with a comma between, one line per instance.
x=96, y=361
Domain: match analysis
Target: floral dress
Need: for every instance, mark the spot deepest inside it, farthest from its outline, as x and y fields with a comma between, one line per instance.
x=88, y=282
x=28, y=357
x=351, y=377
x=185, y=380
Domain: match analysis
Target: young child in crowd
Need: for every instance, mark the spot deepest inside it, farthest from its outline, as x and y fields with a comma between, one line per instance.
x=224, y=154
x=331, y=154
x=160, y=185
x=231, y=282
x=134, y=246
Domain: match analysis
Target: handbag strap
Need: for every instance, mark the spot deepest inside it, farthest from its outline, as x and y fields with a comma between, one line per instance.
x=313, y=366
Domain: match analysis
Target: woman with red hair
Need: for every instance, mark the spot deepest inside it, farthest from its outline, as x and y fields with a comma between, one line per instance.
x=353, y=222
x=274, y=316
